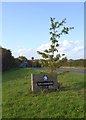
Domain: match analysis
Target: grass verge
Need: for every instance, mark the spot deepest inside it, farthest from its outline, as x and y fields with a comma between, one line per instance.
x=19, y=102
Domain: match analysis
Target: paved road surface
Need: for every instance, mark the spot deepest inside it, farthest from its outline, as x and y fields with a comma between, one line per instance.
x=71, y=70
x=67, y=69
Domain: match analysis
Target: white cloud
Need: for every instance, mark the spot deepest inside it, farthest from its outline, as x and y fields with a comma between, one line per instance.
x=22, y=52
x=78, y=48
x=28, y=53
x=72, y=49
x=66, y=43
x=69, y=48
x=43, y=47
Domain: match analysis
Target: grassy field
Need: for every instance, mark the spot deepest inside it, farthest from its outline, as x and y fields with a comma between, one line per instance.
x=19, y=102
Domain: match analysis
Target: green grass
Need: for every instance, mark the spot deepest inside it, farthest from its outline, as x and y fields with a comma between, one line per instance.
x=19, y=102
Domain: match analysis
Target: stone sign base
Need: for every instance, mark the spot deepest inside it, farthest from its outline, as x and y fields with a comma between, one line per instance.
x=44, y=83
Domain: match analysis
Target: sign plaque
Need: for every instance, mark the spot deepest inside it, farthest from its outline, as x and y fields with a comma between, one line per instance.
x=39, y=82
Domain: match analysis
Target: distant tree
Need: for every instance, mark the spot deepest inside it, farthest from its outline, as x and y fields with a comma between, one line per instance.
x=17, y=62
x=52, y=59
x=22, y=58
x=76, y=63
x=8, y=60
x=32, y=58
x=36, y=63
x=33, y=62
x=29, y=63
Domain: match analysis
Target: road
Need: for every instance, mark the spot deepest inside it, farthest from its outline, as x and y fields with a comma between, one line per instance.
x=76, y=70
x=72, y=70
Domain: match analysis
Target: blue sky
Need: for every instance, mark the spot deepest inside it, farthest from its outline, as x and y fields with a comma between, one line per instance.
x=26, y=27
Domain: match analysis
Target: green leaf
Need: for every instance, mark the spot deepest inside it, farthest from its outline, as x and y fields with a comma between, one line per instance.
x=54, y=41
x=57, y=45
x=53, y=25
x=63, y=54
x=52, y=46
x=50, y=32
x=39, y=52
x=55, y=50
x=51, y=38
x=50, y=50
x=58, y=36
x=71, y=28
x=46, y=51
x=58, y=56
x=50, y=29
x=44, y=55
x=51, y=19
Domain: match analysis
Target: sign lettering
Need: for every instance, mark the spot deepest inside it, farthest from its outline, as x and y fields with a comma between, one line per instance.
x=45, y=83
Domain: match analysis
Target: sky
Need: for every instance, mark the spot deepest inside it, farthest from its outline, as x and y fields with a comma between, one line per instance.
x=25, y=27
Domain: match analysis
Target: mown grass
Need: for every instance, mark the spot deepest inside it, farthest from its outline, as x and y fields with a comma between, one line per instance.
x=19, y=102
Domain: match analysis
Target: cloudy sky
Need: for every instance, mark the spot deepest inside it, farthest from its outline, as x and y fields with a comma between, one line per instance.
x=26, y=27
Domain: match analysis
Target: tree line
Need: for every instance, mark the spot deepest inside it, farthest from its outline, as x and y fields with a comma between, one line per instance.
x=9, y=62
x=75, y=63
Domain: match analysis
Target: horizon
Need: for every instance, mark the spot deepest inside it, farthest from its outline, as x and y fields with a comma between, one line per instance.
x=39, y=58
x=26, y=28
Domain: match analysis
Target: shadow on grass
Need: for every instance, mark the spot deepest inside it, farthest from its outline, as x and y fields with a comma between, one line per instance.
x=17, y=74
x=76, y=87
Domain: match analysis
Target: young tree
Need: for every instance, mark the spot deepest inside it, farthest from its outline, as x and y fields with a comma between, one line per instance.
x=52, y=58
